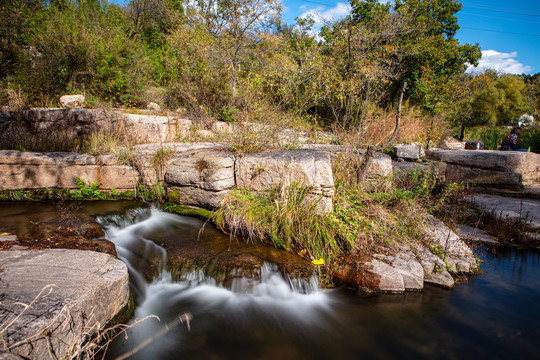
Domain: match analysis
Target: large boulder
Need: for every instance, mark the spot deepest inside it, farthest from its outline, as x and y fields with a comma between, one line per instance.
x=203, y=178
x=489, y=167
x=156, y=129
x=26, y=170
x=82, y=292
x=307, y=168
x=72, y=101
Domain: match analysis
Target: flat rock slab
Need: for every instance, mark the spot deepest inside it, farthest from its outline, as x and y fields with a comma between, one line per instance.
x=70, y=291
x=526, y=164
x=27, y=170
x=526, y=210
x=473, y=234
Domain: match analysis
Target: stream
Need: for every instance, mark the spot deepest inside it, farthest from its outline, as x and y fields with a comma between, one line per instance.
x=495, y=314
x=269, y=306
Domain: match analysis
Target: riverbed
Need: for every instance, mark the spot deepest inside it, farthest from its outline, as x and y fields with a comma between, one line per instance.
x=495, y=314
x=209, y=311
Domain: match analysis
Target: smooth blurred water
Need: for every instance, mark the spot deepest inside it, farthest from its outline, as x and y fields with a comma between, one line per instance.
x=494, y=315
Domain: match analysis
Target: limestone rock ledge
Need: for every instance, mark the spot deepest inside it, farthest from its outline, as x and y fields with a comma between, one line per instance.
x=489, y=167
x=203, y=178
x=409, y=268
x=27, y=170
x=85, y=291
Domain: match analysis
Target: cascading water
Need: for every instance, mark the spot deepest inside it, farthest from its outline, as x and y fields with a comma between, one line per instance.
x=492, y=315
x=275, y=298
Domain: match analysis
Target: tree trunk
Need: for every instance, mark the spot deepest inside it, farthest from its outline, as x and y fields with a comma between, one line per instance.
x=368, y=155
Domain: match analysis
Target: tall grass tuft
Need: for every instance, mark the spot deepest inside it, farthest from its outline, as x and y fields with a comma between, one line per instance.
x=286, y=217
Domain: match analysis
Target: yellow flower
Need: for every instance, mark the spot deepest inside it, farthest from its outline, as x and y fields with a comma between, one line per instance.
x=318, y=262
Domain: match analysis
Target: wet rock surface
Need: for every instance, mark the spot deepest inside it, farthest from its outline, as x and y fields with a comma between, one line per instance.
x=223, y=258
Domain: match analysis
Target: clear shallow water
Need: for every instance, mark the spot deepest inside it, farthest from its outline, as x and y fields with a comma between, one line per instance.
x=494, y=315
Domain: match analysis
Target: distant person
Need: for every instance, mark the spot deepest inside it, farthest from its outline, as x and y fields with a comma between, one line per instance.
x=511, y=141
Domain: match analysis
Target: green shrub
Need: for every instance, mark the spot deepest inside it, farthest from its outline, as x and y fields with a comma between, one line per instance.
x=227, y=113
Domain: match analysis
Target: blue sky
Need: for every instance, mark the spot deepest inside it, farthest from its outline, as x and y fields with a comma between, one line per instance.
x=508, y=31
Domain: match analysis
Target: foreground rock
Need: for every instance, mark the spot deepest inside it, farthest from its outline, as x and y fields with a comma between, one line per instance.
x=83, y=291
x=410, y=267
x=510, y=168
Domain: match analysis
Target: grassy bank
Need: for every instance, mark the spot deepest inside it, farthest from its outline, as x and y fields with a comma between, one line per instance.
x=368, y=218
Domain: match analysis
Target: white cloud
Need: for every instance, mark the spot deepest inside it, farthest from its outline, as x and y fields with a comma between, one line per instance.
x=503, y=62
x=323, y=15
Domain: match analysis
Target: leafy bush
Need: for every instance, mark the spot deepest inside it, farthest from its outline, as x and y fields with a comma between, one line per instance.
x=88, y=192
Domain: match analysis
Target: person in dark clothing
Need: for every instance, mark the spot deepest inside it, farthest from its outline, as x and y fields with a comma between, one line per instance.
x=511, y=141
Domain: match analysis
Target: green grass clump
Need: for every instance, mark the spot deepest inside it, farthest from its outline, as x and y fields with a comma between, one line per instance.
x=289, y=218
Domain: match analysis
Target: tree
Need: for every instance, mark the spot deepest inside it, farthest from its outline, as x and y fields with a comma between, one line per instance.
x=464, y=89
x=533, y=92
x=502, y=102
x=235, y=27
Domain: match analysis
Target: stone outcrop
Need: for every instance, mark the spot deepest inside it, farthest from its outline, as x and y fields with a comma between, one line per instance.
x=156, y=129
x=408, y=268
x=72, y=101
x=84, y=290
x=203, y=178
x=24, y=170
x=409, y=152
x=306, y=168
x=505, y=208
x=489, y=167
x=459, y=257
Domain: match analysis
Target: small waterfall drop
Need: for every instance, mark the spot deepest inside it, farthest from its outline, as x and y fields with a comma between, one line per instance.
x=272, y=291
